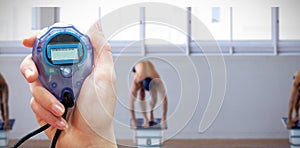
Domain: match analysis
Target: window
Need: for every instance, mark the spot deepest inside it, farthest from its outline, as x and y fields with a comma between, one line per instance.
x=80, y=15
x=122, y=28
x=251, y=22
x=164, y=28
x=125, y=25
x=289, y=24
x=237, y=27
x=168, y=25
x=219, y=29
x=44, y=16
x=15, y=21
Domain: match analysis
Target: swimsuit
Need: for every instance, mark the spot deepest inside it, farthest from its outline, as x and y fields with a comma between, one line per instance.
x=146, y=83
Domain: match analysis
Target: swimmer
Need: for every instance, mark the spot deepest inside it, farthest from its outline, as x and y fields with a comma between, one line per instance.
x=294, y=103
x=4, y=102
x=146, y=78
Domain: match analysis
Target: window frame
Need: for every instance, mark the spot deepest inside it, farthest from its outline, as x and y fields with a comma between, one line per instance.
x=275, y=46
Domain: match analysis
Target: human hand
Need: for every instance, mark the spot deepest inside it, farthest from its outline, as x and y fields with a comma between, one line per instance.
x=91, y=121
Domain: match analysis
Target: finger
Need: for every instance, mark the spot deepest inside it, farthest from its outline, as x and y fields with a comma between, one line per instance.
x=97, y=38
x=28, y=69
x=43, y=115
x=29, y=41
x=104, y=67
x=45, y=99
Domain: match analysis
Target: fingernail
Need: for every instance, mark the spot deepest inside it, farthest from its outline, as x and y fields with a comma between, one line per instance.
x=28, y=73
x=62, y=124
x=57, y=109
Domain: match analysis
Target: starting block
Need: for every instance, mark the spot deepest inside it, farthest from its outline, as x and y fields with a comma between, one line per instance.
x=294, y=133
x=3, y=133
x=151, y=137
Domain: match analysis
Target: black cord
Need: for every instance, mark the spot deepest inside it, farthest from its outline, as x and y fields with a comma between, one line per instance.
x=26, y=137
x=67, y=102
x=58, y=131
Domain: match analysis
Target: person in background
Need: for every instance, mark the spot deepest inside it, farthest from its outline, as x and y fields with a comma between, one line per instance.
x=4, y=102
x=146, y=78
x=294, y=102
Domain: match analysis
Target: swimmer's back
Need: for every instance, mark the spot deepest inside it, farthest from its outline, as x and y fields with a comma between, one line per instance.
x=145, y=69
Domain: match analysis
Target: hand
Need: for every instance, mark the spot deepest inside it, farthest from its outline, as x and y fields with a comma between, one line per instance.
x=90, y=124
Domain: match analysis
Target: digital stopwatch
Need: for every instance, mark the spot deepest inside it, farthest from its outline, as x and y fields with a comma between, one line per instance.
x=64, y=58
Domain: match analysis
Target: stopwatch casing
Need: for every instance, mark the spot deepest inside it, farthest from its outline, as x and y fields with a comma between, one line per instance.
x=64, y=58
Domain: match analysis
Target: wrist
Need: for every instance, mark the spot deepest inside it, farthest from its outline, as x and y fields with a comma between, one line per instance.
x=83, y=139
x=102, y=142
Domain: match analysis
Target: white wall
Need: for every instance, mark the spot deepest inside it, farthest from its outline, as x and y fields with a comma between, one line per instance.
x=256, y=95
x=257, y=86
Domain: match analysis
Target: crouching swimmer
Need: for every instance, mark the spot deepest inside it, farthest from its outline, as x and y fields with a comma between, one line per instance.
x=294, y=102
x=146, y=78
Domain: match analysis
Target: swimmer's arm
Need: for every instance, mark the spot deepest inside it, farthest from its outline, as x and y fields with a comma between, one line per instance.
x=133, y=94
x=165, y=108
x=131, y=105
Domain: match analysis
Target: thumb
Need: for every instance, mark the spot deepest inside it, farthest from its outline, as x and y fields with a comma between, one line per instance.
x=97, y=39
x=104, y=67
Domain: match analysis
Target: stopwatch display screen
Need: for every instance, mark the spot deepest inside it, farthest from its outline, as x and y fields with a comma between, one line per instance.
x=64, y=50
x=62, y=54
x=58, y=54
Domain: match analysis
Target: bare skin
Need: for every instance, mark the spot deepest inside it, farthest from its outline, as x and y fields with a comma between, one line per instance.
x=4, y=102
x=294, y=102
x=146, y=69
x=90, y=124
